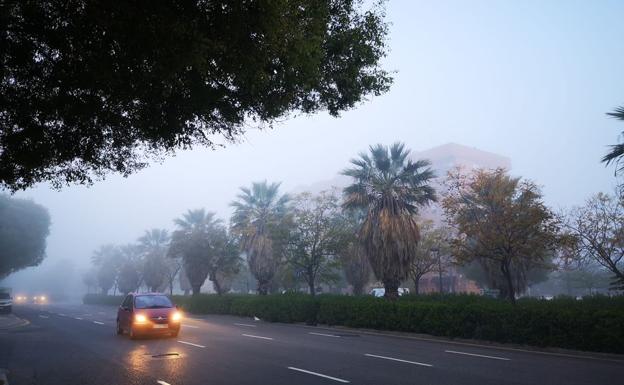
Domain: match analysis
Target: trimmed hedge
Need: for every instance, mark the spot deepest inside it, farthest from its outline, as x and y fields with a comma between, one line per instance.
x=593, y=324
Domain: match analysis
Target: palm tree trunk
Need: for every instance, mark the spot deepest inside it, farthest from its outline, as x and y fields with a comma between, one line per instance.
x=263, y=287
x=391, y=286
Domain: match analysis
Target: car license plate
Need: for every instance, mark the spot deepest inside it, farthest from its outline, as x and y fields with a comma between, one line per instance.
x=160, y=326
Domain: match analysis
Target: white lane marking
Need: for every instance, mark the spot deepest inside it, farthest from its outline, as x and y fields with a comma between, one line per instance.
x=192, y=344
x=324, y=335
x=478, y=355
x=43, y=316
x=62, y=315
x=78, y=318
x=161, y=382
x=397, y=359
x=98, y=322
x=101, y=312
x=248, y=325
x=190, y=326
x=318, y=374
x=252, y=336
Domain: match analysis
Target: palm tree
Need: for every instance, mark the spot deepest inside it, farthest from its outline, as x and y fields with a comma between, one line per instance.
x=153, y=245
x=154, y=239
x=390, y=188
x=617, y=150
x=192, y=242
x=259, y=215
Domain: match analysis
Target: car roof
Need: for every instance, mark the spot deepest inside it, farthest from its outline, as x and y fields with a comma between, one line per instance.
x=138, y=294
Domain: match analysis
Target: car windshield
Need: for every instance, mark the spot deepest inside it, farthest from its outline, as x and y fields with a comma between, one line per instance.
x=152, y=302
x=4, y=296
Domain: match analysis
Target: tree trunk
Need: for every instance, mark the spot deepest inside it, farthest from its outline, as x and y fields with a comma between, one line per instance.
x=511, y=294
x=187, y=292
x=312, y=287
x=196, y=289
x=358, y=289
x=217, y=286
x=263, y=287
x=391, y=286
x=417, y=285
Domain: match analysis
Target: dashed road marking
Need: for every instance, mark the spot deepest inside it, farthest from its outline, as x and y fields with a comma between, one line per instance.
x=318, y=374
x=43, y=316
x=324, y=334
x=78, y=318
x=397, y=359
x=247, y=325
x=190, y=326
x=161, y=382
x=192, y=344
x=98, y=322
x=478, y=355
x=260, y=337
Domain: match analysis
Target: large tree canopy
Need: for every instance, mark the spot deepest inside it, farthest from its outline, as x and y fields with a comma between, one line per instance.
x=90, y=87
x=24, y=227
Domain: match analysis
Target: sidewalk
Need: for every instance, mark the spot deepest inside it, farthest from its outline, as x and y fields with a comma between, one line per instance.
x=10, y=321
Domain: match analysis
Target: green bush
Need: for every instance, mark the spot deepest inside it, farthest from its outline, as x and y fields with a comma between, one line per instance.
x=593, y=324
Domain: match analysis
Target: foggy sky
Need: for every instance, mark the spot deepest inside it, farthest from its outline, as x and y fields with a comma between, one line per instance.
x=530, y=80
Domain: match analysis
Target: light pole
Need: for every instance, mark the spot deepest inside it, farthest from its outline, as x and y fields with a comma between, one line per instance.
x=437, y=252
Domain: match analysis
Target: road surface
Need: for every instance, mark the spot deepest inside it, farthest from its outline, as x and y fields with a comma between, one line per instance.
x=76, y=344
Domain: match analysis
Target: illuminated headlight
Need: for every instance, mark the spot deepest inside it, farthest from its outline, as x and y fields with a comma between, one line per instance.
x=43, y=298
x=35, y=298
x=140, y=319
x=176, y=316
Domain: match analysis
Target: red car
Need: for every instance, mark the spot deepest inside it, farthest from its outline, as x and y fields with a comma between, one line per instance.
x=150, y=313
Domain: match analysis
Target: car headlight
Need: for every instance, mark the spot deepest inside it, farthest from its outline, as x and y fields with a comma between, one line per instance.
x=140, y=319
x=176, y=316
x=43, y=298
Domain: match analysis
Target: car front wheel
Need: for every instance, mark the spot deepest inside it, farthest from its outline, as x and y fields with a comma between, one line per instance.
x=133, y=333
x=119, y=329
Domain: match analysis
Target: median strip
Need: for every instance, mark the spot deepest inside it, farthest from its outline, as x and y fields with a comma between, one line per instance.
x=260, y=337
x=192, y=344
x=478, y=355
x=324, y=335
x=397, y=359
x=318, y=374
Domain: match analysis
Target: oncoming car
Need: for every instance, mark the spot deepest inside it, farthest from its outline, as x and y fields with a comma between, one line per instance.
x=40, y=299
x=151, y=313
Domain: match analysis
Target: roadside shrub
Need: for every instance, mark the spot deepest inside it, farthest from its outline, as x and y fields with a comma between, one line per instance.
x=593, y=324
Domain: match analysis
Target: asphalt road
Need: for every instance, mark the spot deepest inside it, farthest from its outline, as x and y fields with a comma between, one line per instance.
x=76, y=344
